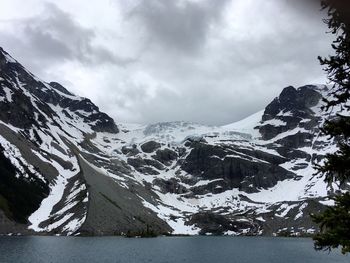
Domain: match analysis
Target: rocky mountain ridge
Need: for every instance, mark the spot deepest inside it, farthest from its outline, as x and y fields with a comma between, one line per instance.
x=67, y=168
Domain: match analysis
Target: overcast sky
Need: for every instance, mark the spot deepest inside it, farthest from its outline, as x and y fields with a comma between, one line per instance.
x=206, y=61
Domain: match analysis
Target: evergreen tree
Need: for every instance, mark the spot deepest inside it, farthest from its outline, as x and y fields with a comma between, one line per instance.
x=334, y=222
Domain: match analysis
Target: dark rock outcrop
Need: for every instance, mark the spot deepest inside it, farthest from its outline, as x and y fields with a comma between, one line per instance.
x=211, y=223
x=291, y=107
x=150, y=146
x=238, y=171
x=170, y=186
x=165, y=156
x=140, y=165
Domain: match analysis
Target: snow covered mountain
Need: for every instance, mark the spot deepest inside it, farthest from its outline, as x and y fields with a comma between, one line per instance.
x=67, y=168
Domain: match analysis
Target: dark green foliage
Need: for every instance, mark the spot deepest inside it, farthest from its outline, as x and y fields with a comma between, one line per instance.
x=336, y=167
x=148, y=232
x=337, y=65
x=19, y=197
x=335, y=221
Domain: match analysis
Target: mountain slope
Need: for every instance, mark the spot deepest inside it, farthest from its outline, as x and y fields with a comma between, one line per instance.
x=44, y=131
x=67, y=168
x=256, y=174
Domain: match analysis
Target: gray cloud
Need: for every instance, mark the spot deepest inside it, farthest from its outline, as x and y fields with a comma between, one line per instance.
x=205, y=61
x=54, y=36
x=181, y=25
x=235, y=76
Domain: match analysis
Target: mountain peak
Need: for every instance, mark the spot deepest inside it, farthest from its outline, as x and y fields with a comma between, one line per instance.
x=293, y=100
x=42, y=101
x=5, y=58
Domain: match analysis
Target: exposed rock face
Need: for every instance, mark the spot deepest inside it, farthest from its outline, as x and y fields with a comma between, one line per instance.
x=130, y=151
x=60, y=88
x=172, y=186
x=298, y=140
x=151, y=146
x=87, y=176
x=21, y=113
x=142, y=165
x=215, y=224
x=296, y=101
x=238, y=170
x=19, y=196
x=165, y=156
x=290, y=109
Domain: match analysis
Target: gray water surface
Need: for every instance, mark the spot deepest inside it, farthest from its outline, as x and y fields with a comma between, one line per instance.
x=163, y=250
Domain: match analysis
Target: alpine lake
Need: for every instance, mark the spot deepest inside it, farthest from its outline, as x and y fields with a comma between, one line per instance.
x=202, y=249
